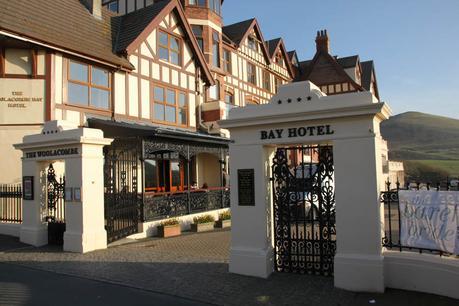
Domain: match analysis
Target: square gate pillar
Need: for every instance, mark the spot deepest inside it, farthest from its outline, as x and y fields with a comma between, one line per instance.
x=358, y=173
x=33, y=230
x=251, y=241
x=82, y=151
x=85, y=221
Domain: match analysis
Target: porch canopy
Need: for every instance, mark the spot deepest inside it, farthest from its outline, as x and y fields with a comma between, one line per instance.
x=155, y=138
x=169, y=164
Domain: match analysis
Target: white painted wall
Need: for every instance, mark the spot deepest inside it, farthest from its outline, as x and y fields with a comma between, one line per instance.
x=148, y=229
x=422, y=272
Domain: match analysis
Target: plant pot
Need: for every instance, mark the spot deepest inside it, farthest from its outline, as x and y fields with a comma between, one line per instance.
x=169, y=230
x=202, y=227
x=223, y=223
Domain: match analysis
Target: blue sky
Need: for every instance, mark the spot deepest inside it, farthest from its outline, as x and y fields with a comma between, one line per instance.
x=414, y=43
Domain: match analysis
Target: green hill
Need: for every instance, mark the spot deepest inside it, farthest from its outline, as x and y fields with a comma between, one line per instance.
x=419, y=136
x=423, y=140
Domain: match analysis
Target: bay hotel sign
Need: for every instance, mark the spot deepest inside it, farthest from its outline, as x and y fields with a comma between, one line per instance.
x=304, y=131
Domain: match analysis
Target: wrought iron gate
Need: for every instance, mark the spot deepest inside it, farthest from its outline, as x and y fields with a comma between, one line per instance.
x=304, y=209
x=122, y=198
x=55, y=213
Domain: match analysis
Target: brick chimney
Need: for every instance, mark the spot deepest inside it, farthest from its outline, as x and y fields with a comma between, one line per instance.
x=94, y=7
x=322, y=41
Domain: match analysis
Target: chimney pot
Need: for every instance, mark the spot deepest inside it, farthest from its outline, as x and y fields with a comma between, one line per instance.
x=322, y=41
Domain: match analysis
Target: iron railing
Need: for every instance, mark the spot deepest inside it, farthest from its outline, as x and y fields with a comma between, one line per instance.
x=174, y=204
x=392, y=220
x=11, y=203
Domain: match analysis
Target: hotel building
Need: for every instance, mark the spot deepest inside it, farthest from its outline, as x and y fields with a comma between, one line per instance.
x=154, y=75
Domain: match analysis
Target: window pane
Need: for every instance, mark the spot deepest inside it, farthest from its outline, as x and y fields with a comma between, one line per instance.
x=100, y=98
x=151, y=178
x=175, y=58
x=216, y=55
x=163, y=53
x=159, y=112
x=174, y=44
x=78, y=72
x=78, y=94
x=100, y=77
x=183, y=116
x=175, y=171
x=197, y=30
x=163, y=39
x=170, y=97
x=170, y=114
x=159, y=94
x=182, y=100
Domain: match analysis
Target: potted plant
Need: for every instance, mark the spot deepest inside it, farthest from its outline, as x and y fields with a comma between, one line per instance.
x=203, y=223
x=169, y=228
x=224, y=220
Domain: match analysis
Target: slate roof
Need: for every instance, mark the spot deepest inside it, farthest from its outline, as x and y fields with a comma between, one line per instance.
x=236, y=31
x=133, y=24
x=272, y=45
x=348, y=62
x=367, y=70
x=291, y=54
x=50, y=23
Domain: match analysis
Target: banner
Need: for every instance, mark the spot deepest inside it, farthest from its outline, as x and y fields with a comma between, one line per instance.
x=429, y=219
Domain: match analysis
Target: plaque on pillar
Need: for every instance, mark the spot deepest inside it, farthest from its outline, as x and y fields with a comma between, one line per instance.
x=246, y=187
x=27, y=192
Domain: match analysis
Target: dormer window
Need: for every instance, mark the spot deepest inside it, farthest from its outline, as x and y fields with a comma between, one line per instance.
x=252, y=43
x=279, y=59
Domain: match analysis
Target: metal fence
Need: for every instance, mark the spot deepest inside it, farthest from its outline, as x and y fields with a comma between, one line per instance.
x=175, y=204
x=392, y=224
x=11, y=203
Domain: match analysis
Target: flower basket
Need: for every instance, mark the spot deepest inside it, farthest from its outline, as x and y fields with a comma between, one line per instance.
x=203, y=224
x=224, y=220
x=169, y=228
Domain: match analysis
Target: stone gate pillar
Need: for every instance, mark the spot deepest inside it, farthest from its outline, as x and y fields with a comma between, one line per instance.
x=358, y=174
x=33, y=230
x=81, y=149
x=251, y=246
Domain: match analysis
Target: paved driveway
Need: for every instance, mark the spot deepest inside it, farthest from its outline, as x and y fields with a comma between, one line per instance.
x=195, y=266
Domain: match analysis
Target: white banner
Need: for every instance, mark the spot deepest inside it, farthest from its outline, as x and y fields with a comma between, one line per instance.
x=429, y=219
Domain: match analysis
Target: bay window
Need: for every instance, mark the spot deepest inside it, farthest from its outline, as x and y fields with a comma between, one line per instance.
x=216, y=49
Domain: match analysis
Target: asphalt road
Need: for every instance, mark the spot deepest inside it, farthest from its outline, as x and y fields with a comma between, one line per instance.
x=24, y=286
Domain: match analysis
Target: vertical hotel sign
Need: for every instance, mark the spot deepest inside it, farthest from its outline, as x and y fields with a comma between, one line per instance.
x=22, y=101
x=429, y=220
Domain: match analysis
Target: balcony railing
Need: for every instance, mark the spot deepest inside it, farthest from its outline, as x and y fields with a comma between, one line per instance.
x=174, y=204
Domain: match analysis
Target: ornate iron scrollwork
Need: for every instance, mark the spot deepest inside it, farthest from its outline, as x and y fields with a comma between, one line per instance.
x=304, y=209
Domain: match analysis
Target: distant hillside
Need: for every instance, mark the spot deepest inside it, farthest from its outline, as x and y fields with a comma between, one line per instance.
x=419, y=136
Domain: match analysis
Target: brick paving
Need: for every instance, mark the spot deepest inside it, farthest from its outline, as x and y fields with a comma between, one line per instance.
x=195, y=266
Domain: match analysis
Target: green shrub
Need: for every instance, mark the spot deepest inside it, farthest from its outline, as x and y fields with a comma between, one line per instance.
x=170, y=222
x=203, y=219
x=225, y=216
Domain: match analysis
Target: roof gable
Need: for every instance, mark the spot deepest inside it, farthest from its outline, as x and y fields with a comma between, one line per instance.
x=136, y=26
x=278, y=44
x=369, y=76
x=330, y=64
x=238, y=32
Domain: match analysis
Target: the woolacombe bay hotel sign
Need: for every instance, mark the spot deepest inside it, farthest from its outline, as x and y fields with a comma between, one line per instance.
x=21, y=102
